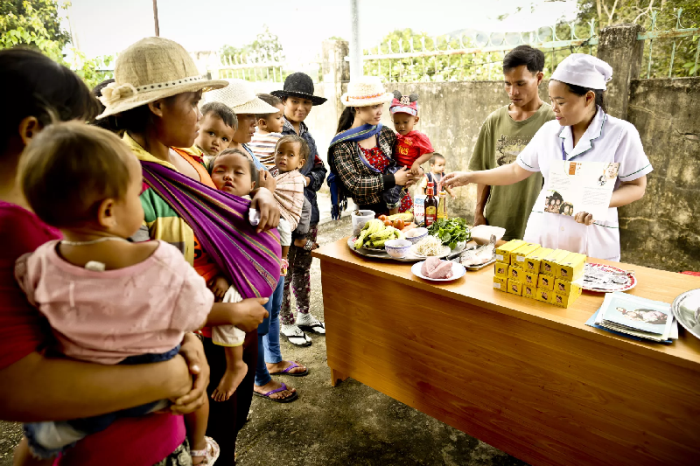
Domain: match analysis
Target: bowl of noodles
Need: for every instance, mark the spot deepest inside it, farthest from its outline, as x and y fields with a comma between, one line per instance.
x=430, y=246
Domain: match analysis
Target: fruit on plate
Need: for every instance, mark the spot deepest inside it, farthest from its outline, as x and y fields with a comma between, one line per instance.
x=374, y=234
x=407, y=217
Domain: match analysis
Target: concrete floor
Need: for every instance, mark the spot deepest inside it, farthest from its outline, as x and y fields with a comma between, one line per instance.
x=348, y=424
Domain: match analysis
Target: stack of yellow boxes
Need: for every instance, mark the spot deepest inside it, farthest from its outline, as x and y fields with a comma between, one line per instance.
x=547, y=275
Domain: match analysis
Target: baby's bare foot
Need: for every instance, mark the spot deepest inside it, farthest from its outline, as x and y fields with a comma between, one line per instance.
x=230, y=382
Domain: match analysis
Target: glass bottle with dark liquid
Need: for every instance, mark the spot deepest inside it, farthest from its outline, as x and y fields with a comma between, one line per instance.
x=431, y=206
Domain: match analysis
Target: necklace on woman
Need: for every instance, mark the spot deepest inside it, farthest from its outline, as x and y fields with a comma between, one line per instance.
x=94, y=241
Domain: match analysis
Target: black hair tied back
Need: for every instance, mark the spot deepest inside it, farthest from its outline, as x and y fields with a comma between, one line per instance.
x=581, y=91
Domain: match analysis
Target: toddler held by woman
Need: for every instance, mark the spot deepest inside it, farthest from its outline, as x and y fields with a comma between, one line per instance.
x=109, y=300
x=413, y=148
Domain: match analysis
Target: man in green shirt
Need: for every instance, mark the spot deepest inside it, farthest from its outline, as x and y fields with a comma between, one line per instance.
x=503, y=135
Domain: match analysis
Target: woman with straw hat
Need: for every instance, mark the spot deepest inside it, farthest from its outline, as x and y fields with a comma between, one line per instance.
x=582, y=132
x=360, y=155
x=44, y=387
x=155, y=100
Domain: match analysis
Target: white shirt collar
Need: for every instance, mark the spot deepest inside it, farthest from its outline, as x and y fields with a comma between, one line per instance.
x=593, y=132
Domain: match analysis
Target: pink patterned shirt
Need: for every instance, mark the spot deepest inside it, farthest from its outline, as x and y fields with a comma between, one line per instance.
x=105, y=317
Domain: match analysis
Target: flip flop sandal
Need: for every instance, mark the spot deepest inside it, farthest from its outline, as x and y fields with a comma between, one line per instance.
x=298, y=340
x=289, y=399
x=292, y=374
x=313, y=328
x=210, y=453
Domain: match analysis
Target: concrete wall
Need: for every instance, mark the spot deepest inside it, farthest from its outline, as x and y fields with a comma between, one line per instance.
x=663, y=229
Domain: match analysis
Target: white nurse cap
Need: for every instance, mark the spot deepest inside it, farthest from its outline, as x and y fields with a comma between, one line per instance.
x=583, y=70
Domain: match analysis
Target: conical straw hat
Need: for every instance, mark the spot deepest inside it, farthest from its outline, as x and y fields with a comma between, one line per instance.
x=151, y=69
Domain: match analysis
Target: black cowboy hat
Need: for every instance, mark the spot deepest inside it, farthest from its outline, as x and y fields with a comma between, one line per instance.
x=299, y=85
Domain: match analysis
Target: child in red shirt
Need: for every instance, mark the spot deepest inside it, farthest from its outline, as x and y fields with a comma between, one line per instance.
x=413, y=148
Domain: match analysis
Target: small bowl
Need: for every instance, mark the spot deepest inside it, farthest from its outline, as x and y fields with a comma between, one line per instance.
x=397, y=248
x=419, y=232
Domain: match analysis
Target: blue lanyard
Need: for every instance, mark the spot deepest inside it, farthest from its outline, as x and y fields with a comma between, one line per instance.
x=563, y=154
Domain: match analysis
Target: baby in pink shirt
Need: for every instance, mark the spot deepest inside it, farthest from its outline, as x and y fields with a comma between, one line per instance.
x=107, y=316
x=108, y=300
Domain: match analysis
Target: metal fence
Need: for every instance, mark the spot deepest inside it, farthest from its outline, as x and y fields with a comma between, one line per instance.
x=478, y=56
x=673, y=52
x=417, y=58
x=258, y=67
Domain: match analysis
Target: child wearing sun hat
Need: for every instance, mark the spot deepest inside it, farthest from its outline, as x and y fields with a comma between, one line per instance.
x=413, y=148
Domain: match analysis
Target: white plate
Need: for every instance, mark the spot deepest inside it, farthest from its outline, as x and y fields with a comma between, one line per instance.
x=482, y=233
x=458, y=272
x=443, y=253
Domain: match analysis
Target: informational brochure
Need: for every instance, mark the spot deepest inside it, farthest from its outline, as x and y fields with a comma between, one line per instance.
x=575, y=187
x=643, y=318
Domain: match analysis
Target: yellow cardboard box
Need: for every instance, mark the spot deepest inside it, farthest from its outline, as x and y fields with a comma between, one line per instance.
x=545, y=282
x=529, y=291
x=530, y=278
x=546, y=296
x=515, y=287
x=571, y=267
x=534, y=259
x=501, y=270
x=515, y=273
x=551, y=262
x=500, y=284
x=503, y=253
x=567, y=287
x=518, y=258
x=565, y=300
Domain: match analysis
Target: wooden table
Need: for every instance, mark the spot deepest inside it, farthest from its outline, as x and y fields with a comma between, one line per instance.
x=526, y=377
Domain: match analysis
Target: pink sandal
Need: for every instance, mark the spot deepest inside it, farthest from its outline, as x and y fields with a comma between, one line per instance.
x=210, y=453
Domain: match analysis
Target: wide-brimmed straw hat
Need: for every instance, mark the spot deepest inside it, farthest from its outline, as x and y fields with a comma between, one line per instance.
x=239, y=96
x=366, y=91
x=151, y=69
x=299, y=85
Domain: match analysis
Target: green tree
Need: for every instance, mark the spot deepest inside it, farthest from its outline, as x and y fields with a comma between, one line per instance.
x=33, y=23
x=36, y=24
x=642, y=12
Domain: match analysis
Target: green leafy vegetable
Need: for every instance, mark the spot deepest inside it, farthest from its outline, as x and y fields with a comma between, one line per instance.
x=451, y=232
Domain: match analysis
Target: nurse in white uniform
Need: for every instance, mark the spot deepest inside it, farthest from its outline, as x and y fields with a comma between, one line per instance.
x=582, y=132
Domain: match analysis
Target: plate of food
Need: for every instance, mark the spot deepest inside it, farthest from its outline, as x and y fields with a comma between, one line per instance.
x=601, y=278
x=479, y=257
x=436, y=270
x=430, y=246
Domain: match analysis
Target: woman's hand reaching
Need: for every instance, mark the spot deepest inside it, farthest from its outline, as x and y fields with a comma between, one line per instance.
x=455, y=179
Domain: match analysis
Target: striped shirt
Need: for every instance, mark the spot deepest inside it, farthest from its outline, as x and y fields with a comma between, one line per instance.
x=263, y=146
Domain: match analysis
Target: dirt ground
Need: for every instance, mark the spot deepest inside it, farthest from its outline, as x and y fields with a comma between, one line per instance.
x=348, y=424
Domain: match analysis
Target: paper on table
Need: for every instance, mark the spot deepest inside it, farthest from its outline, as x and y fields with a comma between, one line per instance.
x=592, y=322
x=637, y=316
x=575, y=187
